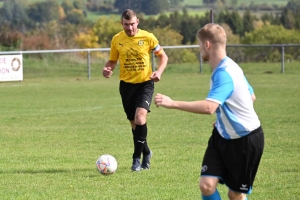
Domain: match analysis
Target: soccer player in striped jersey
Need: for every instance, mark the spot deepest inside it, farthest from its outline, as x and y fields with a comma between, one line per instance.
x=237, y=141
x=133, y=47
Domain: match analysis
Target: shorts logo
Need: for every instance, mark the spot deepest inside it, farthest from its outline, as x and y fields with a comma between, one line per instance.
x=204, y=168
x=147, y=103
x=244, y=187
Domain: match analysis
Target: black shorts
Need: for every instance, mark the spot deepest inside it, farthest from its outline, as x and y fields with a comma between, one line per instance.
x=234, y=162
x=136, y=95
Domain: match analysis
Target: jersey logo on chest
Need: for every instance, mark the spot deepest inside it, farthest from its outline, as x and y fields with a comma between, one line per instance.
x=140, y=42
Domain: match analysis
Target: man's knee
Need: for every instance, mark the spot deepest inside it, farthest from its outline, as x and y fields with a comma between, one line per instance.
x=208, y=185
x=140, y=116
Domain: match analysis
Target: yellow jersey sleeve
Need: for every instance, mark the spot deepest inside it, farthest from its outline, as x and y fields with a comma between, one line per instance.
x=114, y=54
x=134, y=55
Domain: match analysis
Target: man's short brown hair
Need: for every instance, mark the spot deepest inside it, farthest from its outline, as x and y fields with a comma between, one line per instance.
x=128, y=14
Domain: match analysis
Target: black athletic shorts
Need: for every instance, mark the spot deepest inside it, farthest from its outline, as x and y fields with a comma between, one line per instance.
x=234, y=162
x=136, y=95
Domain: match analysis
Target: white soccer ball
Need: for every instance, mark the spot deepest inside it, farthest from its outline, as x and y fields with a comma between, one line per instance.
x=106, y=164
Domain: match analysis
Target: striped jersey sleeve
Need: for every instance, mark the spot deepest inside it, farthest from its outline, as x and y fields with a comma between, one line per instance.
x=236, y=116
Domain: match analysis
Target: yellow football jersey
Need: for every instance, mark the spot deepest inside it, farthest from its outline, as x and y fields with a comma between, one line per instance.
x=134, y=54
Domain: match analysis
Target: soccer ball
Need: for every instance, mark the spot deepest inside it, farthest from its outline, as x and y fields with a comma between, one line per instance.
x=106, y=164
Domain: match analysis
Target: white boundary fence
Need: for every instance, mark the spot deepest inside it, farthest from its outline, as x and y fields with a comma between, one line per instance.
x=282, y=46
x=60, y=51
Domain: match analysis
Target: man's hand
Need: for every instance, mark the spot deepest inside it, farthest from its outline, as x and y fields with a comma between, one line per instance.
x=107, y=72
x=155, y=76
x=163, y=100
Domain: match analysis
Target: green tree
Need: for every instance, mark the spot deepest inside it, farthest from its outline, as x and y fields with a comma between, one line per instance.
x=276, y=20
x=236, y=23
x=266, y=17
x=175, y=19
x=88, y=39
x=162, y=21
x=271, y=34
x=153, y=7
x=184, y=24
x=294, y=6
x=287, y=18
x=231, y=38
x=142, y=6
x=175, y=3
x=67, y=6
x=169, y=37
x=75, y=16
x=67, y=32
x=44, y=11
x=92, y=5
x=14, y=14
x=189, y=27
x=105, y=28
x=234, y=3
x=79, y=4
x=122, y=5
x=290, y=15
x=248, y=22
x=210, y=2
x=9, y=40
x=7, y=9
x=297, y=21
x=233, y=19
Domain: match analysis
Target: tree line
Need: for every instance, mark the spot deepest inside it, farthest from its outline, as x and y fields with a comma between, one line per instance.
x=154, y=7
x=50, y=25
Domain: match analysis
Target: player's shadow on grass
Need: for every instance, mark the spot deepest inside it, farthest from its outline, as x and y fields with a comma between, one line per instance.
x=291, y=170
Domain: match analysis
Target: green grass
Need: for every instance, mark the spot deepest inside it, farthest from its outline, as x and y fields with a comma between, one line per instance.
x=56, y=123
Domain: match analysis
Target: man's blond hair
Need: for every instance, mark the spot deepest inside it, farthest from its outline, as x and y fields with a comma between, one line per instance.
x=213, y=33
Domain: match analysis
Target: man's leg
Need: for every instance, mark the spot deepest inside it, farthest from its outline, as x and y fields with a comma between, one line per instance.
x=136, y=156
x=236, y=195
x=208, y=188
x=140, y=139
x=146, y=149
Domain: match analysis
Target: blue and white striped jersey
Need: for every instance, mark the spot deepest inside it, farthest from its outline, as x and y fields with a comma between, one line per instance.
x=229, y=87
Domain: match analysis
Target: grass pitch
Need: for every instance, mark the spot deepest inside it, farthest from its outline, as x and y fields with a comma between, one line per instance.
x=56, y=123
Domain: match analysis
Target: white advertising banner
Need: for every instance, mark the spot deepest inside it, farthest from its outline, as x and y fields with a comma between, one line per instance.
x=11, y=68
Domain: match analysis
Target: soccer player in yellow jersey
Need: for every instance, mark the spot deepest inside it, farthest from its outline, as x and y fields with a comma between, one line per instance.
x=132, y=47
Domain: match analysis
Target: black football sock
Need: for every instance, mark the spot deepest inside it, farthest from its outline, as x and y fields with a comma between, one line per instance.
x=146, y=150
x=140, y=135
x=133, y=133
